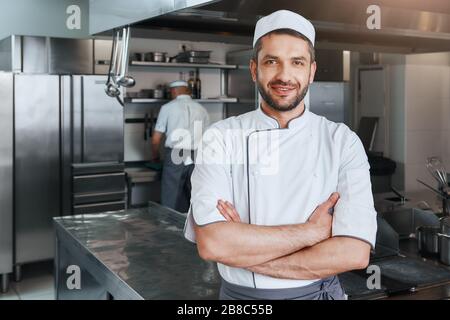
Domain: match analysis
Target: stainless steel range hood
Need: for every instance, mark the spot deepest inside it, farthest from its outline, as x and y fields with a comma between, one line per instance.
x=407, y=26
x=109, y=14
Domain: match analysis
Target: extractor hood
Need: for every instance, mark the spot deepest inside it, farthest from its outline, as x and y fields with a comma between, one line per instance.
x=407, y=26
x=109, y=14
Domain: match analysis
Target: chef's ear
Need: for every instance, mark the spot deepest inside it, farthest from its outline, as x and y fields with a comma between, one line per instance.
x=312, y=73
x=253, y=69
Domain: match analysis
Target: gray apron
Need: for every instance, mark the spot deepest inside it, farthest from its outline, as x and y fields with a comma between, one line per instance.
x=325, y=289
x=176, y=182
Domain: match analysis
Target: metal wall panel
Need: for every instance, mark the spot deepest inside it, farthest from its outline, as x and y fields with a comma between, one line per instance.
x=34, y=55
x=6, y=54
x=37, y=165
x=6, y=173
x=102, y=55
x=70, y=56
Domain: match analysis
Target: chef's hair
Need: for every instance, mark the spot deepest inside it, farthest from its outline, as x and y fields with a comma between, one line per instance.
x=258, y=44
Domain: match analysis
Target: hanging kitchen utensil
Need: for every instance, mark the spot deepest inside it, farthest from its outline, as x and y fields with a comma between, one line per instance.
x=117, y=74
x=112, y=89
x=125, y=80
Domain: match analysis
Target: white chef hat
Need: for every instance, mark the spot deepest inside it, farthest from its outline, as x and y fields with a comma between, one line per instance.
x=178, y=83
x=284, y=19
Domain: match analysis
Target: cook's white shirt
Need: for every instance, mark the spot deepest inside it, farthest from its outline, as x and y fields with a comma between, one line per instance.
x=279, y=176
x=183, y=121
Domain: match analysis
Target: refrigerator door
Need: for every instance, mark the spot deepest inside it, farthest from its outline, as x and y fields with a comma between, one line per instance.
x=6, y=173
x=37, y=165
x=96, y=134
x=98, y=122
x=327, y=99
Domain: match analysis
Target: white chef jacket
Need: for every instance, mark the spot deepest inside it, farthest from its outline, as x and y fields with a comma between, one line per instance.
x=279, y=176
x=182, y=120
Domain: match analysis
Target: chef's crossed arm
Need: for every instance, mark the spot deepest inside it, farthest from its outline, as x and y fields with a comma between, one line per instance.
x=234, y=243
x=354, y=226
x=297, y=251
x=245, y=245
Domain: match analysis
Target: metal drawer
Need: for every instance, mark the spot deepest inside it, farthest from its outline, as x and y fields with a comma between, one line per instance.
x=86, y=198
x=79, y=169
x=99, y=207
x=99, y=183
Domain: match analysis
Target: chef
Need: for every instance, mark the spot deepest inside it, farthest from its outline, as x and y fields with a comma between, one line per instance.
x=281, y=197
x=181, y=120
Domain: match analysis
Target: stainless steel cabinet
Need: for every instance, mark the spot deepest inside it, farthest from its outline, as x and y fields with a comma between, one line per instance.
x=49, y=121
x=52, y=122
x=6, y=178
x=37, y=165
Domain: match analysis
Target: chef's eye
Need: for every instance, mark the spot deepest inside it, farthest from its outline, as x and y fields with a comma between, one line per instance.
x=271, y=61
x=299, y=63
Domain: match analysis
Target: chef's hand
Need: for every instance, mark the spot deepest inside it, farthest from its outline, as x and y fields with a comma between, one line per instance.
x=228, y=211
x=322, y=217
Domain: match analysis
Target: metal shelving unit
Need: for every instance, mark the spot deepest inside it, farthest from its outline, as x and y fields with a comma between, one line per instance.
x=223, y=79
x=182, y=65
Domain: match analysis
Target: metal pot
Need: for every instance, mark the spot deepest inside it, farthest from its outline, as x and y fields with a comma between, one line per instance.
x=159, y=57
x=148, y=56
x=158, y=94
x=445, y=241
x=428, y=239
x=136, y=56
x=155, y=56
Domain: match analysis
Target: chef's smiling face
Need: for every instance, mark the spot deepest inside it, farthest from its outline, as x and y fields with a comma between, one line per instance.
x=283, y=71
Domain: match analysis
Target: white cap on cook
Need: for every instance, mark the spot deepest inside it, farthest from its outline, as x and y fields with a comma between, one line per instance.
x=284, y=19
x=178, y=83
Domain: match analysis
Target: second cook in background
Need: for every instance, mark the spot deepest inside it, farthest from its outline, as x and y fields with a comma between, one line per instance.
x=182, y=120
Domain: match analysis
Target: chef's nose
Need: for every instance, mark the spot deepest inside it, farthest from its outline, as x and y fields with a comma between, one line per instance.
x=284, y=73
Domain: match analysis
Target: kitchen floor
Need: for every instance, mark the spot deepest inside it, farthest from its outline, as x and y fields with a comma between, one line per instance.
x=36, y=284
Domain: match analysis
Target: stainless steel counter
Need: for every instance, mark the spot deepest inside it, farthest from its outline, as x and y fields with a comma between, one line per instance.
x=135, y=254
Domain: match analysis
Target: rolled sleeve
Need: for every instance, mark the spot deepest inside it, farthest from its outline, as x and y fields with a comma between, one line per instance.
x=161, y=122
x=354, y=214
x=211, y=181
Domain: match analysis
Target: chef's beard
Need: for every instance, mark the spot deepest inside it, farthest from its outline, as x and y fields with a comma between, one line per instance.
x=281, y=107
